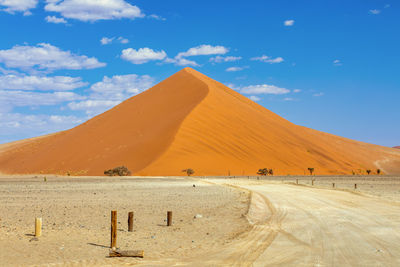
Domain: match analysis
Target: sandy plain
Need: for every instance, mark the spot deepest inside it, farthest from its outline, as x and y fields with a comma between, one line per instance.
x=245, y=221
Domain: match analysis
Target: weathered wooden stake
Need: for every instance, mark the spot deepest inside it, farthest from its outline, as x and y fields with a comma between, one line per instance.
x=130, y=221
x=355, y=186
x=333, y=185
x=113, y=229
x=38, y=227
x=126, y=253
x=297, y=181
x=312, y=182
x=169, y=218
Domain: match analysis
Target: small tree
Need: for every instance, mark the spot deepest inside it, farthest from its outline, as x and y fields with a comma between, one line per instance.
x=263, y=171
x=188, y=171
x=368, y=171
x=311, y=170
x=271, y=172
x=378, y=171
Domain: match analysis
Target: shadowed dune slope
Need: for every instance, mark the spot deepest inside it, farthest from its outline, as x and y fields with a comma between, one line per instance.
x=134, y=134
x=397, y=147
x=192, y=121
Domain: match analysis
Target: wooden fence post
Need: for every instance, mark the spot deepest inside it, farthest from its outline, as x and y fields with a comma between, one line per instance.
x=38, y=227
x=297, y=181
x=355, y=186
x=113, y=229
x=312, y=182
x=333, y=185
x=130, y=221
x=169, y=218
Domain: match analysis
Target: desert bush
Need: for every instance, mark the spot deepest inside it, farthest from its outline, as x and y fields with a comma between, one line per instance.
x=368, y=171
x=378, y=171
x=263, y=171
x=311, y=170
x=118, y=171
x=271, y=172
x=188, y=171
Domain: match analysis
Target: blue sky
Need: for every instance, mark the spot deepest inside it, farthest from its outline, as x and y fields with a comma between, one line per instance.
x=328, y=65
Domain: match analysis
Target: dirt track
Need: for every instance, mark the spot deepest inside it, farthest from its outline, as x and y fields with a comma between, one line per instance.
x=291, y=225
x=318, y=227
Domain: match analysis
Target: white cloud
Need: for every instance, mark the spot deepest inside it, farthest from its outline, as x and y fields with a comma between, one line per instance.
x=264, y=89
x=374, y=11
x=106, y=40
x=12, y=6
x=16, y=126
x=54, y=19
x=56, y=83
x=156, y=17
x=268, y=59
x=337, y=62
x=122, y=40
x=19, y=98
x=254, y=98
x=289, y=22
x=288, y=99
x=232, y=86
x=142, y=55
x=233, y=69
x=119, y=87
x=94, y=10
x=318, y=94
x=296, y=91
x=112, y=91
x=219, y=59
x=203, y=50
x=46, y=57
x=181, y=62
x=93, y=107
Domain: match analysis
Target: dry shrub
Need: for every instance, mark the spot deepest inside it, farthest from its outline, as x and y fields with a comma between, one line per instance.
x=118, y=171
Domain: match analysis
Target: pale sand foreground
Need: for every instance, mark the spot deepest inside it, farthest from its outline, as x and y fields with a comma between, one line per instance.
x=76, y=218
x=288, y=224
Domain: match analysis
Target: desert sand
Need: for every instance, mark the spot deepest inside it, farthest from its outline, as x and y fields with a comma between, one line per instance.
x=76, y=219
x=192, y=121
x=245, y=221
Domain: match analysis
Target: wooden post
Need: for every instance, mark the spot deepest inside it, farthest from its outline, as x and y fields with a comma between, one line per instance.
x=38, y=227
x=333, y=185
x=130, y=221
x=113, y=229
x=126, y=253
x=355, y=186
x=169, y=218
x=312, y=182
x=297, y=181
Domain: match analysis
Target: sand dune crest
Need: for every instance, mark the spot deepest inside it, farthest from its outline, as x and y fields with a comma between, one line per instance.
x=192, y=121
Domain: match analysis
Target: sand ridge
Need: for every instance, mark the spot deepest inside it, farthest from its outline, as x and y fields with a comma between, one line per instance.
x=192, y=121
x=133, y=133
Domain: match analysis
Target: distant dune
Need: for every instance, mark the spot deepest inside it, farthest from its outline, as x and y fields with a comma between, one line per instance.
x=192, y=121
x=397, y=147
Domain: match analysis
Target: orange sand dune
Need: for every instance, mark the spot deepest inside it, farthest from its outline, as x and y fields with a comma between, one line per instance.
x=192, y=121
